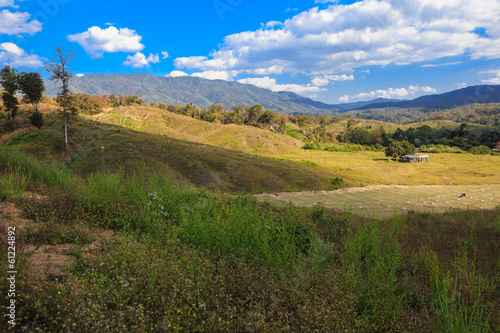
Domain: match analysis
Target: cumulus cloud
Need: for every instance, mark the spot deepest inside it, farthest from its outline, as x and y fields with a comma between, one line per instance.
x=494, y=76
x=18, y=23
x=13, y=55
x=341, y=38
x=389, y=93
x=177, y=74
x=7, y=3
x=165, y=54
x=79, y=75
x=139, y=60
x=97, y=41
x=209, y=75
x=215, y=75
x=270, y=83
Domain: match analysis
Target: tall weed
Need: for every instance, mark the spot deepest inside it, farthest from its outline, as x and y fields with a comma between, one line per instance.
x=370, y=261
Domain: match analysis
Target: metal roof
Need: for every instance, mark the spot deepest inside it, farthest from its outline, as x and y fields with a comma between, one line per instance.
x=415, y=156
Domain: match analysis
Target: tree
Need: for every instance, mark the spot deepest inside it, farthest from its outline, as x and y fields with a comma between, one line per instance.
x=254, y=114
x=31, y=84
x=359, y=135
x=61, y=72
x=9, y=78
x=399, y=148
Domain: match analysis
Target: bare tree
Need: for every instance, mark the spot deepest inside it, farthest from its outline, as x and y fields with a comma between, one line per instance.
x=61, y=72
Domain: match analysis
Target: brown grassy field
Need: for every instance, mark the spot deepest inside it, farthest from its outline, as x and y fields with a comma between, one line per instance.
x=385, y=201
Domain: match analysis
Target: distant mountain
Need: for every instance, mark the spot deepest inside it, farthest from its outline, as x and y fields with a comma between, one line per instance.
x=203, y=92
x=182, y=90
x=474, y=94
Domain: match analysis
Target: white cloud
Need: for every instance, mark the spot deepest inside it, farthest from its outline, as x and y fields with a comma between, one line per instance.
x=79, y=75
x=461, y=85
x=7, y=3
x=97, y=41
x=177, y=74
x=270, y=83
x=344, y=99
x=108, y=23
x=390, y=93
x=272, y=24
x=440, y=65
x=139, y=60
x=416, y=89
x=494, y=76
x=325, y=79
x=215, y=75
x=13, y=55
x=209, y=75
x=341, y=38
x=165, y=54
x=17, y=23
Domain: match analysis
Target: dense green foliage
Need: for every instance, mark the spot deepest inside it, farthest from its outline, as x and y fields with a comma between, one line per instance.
x=9, y=79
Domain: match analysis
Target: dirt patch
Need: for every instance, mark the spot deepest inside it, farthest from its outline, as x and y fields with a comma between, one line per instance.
x=8, y=136
x=47, y=261
x=11, y=216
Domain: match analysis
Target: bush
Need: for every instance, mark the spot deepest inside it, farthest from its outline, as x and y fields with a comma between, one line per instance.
x=312, y=145
x=36, y=119
x=337, y=183
x=480, y=150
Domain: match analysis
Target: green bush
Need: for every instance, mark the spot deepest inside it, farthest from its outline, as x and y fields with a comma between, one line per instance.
x=312, y=145
x=480, y=150
x=36, y=119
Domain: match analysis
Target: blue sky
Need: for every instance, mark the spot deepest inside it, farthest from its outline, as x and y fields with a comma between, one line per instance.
x=331, y=51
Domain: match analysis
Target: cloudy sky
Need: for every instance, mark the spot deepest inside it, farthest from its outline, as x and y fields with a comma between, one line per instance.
x=331, y=51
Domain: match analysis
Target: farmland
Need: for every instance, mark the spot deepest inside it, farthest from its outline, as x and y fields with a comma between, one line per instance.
x=385, y=201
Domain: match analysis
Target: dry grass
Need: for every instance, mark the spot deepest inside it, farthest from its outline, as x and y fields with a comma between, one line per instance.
x=385, y=201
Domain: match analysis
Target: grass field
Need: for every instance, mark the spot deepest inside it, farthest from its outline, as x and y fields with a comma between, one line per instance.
x=386, y=201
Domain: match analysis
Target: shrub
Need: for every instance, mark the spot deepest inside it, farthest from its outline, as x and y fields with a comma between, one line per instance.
x=312, y=145
x=480, y=150
x=36, y=119
x=337, y=183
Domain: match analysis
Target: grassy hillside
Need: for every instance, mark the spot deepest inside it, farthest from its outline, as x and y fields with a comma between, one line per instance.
x=98, y=146
x=358, y=169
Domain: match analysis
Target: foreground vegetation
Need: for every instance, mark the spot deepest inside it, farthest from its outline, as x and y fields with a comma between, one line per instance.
x=185, y=259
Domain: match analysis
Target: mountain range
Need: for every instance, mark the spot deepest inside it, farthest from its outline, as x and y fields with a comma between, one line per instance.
x=203, y=92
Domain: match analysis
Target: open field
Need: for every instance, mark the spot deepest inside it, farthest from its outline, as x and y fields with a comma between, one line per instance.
x=386, y=201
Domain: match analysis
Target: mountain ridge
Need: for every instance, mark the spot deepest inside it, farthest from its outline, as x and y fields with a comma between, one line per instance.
x=203, y=92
